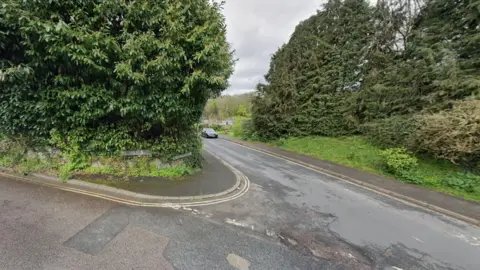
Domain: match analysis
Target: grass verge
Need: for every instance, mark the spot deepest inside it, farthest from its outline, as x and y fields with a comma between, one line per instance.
x=15, y=156
x=357, y=152
x=225, y=132
x=137, y=167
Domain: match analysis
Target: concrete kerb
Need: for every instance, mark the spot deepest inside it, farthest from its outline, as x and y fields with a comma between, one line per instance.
x=370, y=187
x=240, y=187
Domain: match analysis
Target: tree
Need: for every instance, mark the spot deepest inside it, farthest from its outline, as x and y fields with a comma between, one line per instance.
x=312, y=75
x=214, y=109
x=105, y=76
x=228, y=105
x=242, y=110
x=358, y=69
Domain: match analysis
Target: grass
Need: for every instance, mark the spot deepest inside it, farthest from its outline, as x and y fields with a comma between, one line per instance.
x=350, y=151
x=356, y=152
x=16, y=159
x=138, y=167
x=13, y=156
x=227, y=131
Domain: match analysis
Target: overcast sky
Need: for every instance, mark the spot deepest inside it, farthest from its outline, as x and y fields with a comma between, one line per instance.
x=256, y=29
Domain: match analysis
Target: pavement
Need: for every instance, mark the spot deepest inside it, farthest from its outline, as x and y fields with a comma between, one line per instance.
x=214, y=178
x=454, y=206
x=322, y=217
x=290, y=218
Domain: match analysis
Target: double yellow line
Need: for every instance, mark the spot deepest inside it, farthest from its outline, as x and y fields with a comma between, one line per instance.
x=390, y=194
x=243, y=184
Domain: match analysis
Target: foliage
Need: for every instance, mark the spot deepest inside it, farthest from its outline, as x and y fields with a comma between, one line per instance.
x=401, y=164
x=354, y=69
x=452, y=134
x=395, y=131
x=226, y=107
x=214, y=112
x=237, y=128
x=242, y=110
x=248, y=131
x=138, y=167
x=359, y=153
x=243, y=129
x=215, y=127
x=352, y=151
x=311, y=78
x=463, y=181
x=100, y=77
x=15, y=154
x=11, y=152
x=398, y=160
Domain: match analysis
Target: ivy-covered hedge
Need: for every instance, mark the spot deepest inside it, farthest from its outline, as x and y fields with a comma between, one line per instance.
x=105, y=76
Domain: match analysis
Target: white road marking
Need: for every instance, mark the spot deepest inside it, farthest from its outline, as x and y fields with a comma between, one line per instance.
x=472, y=240
x=238, y=262
x=416, y=205
x=417, y=239
x=238, y=223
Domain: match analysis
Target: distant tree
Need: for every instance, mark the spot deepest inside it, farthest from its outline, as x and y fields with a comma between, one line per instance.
x=214, y=109
x=242, y=110
x=228, y=106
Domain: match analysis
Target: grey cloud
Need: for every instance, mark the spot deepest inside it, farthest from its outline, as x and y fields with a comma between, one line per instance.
x=256, y=30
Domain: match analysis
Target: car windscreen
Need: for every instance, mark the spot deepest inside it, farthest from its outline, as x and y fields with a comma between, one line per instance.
x=209, y=130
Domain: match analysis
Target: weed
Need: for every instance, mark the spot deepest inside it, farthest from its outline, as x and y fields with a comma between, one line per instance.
x=138, y=167
x=462, y=181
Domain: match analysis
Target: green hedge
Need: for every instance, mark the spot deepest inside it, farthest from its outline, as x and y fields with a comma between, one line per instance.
x=104, y=76
x=396, y=131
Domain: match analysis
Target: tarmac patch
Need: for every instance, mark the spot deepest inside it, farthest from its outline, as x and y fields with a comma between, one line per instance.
x=96, y=235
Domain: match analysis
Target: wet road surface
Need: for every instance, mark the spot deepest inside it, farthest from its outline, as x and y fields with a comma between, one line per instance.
x=291, y=218
x=332, y=220
x=45, y=228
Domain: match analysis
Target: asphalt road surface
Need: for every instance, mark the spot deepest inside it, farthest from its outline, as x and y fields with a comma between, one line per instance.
x=44, y=228
x=332, y=220
x=291, y=218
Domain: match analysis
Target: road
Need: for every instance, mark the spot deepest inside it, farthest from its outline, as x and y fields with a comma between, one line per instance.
x=333, y=220
x=291, y=218
x=45, y=228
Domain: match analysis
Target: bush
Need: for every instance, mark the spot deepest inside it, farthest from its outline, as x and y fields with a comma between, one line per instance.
x=237, y=128
x=398, y=159
x=391, y=132
x=401, y=164
x=462, y=181
x=248, y=130
x=110, y=75
x=453, y=134
x=216, y=127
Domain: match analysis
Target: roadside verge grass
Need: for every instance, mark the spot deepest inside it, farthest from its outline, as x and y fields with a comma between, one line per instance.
x=15, y=156
x=357, y=152
x=137, y=167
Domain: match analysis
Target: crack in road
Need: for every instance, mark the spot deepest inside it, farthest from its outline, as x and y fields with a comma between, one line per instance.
x=308, y=212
